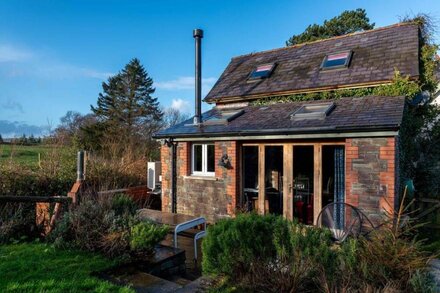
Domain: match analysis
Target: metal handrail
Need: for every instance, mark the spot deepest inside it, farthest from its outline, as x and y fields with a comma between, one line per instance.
x=188, y=225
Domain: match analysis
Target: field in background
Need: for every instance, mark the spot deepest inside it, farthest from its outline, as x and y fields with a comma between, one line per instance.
x=23, y=154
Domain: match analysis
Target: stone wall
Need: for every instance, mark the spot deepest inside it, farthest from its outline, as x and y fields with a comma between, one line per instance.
x=210, y=197
x=371, y=175
x=371, y=179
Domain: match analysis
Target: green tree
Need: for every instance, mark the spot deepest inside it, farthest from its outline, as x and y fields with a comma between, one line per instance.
x=1, y=139
x=126, y=104
x=23, y=139
x=349, y=21
x=32, y=139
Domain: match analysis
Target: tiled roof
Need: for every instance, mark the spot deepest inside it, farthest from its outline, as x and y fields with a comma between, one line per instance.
x=372, y=113
x=376, y=54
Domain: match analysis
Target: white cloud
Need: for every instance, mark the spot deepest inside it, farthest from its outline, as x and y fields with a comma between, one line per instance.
x=186, y=83
x=59, y=70
x=181, y=105
x=21, y=62
x=9, y=53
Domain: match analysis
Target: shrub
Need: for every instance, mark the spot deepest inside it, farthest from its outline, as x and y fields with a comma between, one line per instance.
x=108, y=225
x=123, y=204
x=296, y=265
x=250, y=247
x=145, y=235
x=271, y=254
x=233, y=244
x=87, y=225
x=17, y=222
x=384, y=257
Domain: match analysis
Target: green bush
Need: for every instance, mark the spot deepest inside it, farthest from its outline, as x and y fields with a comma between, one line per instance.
x=232, y=244
x=145, y=235
x=123, y=204
x=250, y=248
x=17, y=222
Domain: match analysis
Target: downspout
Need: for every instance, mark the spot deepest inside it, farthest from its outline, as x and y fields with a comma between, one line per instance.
x=173, y=146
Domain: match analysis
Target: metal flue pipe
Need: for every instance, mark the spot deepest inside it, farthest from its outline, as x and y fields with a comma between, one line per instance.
x=198, y=35
x=80, y=166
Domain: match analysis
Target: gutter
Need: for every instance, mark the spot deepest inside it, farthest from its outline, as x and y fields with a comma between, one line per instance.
x=311, y=132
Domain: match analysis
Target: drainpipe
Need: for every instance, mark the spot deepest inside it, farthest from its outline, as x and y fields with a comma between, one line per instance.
x=173, y=145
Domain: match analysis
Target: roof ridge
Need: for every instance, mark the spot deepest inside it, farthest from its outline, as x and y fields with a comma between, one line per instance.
x=328, y=39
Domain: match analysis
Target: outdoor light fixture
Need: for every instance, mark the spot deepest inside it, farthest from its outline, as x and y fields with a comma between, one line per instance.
x=225, y=162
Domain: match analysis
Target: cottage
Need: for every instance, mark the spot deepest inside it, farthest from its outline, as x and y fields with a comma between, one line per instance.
x=294, y=158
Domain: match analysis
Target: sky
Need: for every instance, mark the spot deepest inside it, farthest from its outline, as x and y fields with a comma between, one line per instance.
x=54, y=55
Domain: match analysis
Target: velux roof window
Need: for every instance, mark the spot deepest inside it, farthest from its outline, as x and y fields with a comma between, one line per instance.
x=223, y=117
x=262, y=71
x=337, y=60
x=313, y=111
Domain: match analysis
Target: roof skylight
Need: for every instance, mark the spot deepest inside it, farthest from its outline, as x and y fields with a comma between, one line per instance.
x=313, y=111
x=223, y=117
x=337, y=60
x=262, y=71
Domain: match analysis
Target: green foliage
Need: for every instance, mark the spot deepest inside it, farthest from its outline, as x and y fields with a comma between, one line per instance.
x=420, y=130
x=401, y=86
x=33, y=267
x=126, y=107
x=422, y=282
x=232, y=244
x=270, y=254
x=145, y=235
x=17, y=222
x=349, y=21
x=108, y=225
x=123, y=204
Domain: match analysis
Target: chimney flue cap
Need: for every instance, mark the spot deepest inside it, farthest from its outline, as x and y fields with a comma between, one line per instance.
x=198, y=33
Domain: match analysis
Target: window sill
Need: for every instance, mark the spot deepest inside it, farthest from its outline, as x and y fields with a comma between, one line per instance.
x=201, y=177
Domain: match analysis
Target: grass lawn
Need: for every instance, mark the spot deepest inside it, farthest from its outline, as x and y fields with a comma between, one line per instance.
x=36, y=267
x=27, y=155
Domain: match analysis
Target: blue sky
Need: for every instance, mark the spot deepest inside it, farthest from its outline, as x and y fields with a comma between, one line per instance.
x=54, y=55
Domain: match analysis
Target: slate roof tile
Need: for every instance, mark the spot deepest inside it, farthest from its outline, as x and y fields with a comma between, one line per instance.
x=376, y=54
x=369, y=113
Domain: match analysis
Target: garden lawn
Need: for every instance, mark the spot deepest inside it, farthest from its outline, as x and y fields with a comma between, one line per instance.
x=36, y=267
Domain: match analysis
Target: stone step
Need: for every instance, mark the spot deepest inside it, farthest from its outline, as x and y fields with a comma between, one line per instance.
x=146, y=283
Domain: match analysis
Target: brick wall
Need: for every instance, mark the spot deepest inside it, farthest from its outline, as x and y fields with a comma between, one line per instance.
x=165, y=161
x=214, y=197
x=371, y=175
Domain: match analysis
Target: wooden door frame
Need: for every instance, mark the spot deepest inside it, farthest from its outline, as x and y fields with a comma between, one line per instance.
x=288, y=161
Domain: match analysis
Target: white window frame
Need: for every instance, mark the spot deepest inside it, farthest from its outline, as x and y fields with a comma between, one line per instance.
x=204, y=171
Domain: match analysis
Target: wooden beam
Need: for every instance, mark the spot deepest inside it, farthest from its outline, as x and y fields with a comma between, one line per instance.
x=261, y=179
x=317, y=181
x=49, y=199
x=288, y=181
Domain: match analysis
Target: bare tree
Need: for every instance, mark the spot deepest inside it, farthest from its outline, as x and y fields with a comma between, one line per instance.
x=173, y=117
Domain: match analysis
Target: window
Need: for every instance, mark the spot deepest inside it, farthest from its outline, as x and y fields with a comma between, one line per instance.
x=224, y=116
x=262, y=71
x=313, y=111
x=337, y=60
x=203, y=159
